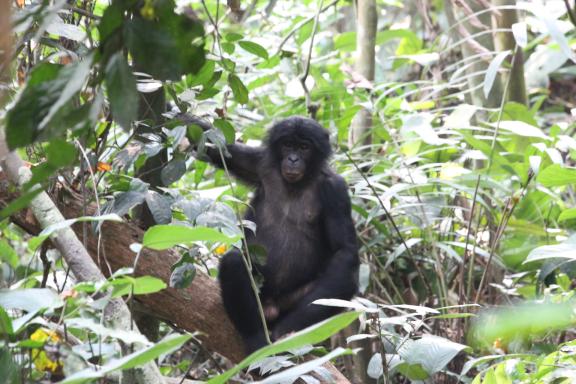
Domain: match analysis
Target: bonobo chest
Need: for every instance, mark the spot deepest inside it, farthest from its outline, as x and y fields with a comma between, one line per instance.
x=280, y=207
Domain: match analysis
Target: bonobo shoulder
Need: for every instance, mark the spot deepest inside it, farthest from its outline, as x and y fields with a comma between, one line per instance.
x=334, y=189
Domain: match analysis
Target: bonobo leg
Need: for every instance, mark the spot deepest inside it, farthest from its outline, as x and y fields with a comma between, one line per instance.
x=305, y=313
x=240, y=301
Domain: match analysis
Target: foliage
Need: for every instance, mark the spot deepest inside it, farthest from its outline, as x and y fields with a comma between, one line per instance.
x=457, y=205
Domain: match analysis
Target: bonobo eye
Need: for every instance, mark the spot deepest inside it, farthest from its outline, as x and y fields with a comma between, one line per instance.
x=288, y=145
x=304, y=146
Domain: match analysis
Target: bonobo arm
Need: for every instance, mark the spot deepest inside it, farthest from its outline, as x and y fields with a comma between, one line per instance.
x=339, y=279
x=244, y=161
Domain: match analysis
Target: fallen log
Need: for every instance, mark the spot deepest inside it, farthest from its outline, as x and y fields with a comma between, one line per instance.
x=197, y=308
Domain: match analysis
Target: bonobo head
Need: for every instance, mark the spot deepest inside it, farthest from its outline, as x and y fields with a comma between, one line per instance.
x=300, y=147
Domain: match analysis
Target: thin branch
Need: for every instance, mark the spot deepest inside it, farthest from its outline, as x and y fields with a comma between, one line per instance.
x=300, y=25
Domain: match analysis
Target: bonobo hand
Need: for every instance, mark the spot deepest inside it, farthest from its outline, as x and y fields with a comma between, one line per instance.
x=271, y=311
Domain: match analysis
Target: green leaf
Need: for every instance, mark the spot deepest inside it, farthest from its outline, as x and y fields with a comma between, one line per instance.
x=173, y=171
x=127, y=336
x=254, y=48
x=526, y=320
x=238, y=89
x=311, y=335
x=71, y=80
x=431, y=353
x=567, y=214
x=5, y=323
x=20, y=203
x=122, y=92
x=565, y=250
x=8, y=366
x=492, y=71
x=289, y=375
x=60, y=153
x=111, y=20
x=167, y=47
x=8, y=254
x=233, y=36
x=183, y=275
x=40, y=94
x=30, y=300
x=161, y=237
x=66, y=223
x=143, y=356
x=204, y=74
x=227, y=129
x=143, y=285
x=557, y=176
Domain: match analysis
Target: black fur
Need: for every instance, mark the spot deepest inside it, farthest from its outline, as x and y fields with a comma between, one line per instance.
x=305, y=227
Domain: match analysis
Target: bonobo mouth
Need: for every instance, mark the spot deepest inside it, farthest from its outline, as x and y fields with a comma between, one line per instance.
x=292, y=177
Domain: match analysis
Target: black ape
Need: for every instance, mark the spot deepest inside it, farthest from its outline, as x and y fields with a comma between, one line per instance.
x=302, y=212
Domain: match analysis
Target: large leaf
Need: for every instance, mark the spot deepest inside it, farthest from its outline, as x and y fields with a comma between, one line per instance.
x=122, y=91
x=145, y=355
x=433, y=353
x=8, y=254
x=289, y=375
x=161, y=237
x=71, y=80
x=99, y=329
x=142, y=285
x=565, y=250
x=311, y=335
x=168, y=46
x=40, y=94
x=66, y=223
x=254, y=48
x=492, y=71
x=526, y=320
x=30, y=300
x=557, y=176
x=238, y=89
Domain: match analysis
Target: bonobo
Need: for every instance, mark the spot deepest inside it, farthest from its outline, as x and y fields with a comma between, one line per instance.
x=302, y=213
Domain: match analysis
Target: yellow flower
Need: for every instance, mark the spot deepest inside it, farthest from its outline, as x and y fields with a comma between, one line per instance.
x=41, y=360
x=220, y=250
x=451, y=170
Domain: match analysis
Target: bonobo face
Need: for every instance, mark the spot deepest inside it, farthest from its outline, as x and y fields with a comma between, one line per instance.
x=296, y=155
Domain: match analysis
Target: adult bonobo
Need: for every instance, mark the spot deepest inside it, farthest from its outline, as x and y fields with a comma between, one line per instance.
x=302, y=213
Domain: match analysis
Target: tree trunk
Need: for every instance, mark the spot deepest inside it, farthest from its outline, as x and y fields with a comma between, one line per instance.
x=505, y=41
x=197, y=308
x=479, y=43
x=366, y=27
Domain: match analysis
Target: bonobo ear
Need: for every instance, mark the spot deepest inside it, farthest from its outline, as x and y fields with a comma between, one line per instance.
x=302, y=128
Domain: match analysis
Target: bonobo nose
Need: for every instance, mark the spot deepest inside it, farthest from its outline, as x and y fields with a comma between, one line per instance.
x=293, y=159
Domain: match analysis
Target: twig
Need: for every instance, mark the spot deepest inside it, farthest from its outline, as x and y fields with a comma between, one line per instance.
x=571, y=12
x=389, y=216
x=466, y=243
x=246, y=259
x=312, y=111
x=300, y=25
x=82, y=12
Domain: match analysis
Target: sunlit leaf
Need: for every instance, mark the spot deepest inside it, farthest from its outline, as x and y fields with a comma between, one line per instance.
x=311, y=335
x=122, y=92
x=138, y=358
x=161, y=237
x=556, y=176
x=492, y=71
x=254, y=48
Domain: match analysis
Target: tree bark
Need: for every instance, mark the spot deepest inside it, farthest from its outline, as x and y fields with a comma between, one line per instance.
x=366, y=27
x=479, y=43
x=197, y=308
x=505, y=41
x=116, y=312
x=82, y=266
